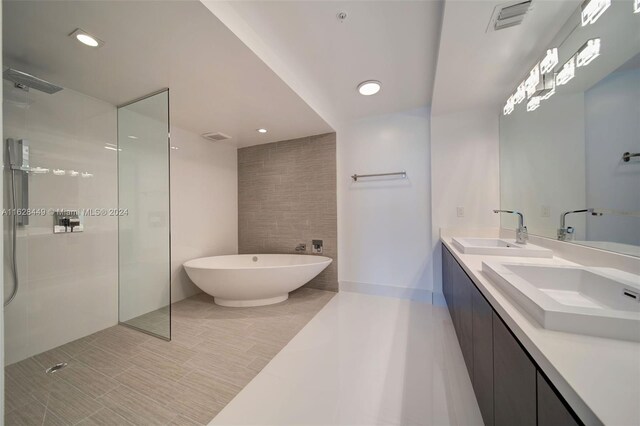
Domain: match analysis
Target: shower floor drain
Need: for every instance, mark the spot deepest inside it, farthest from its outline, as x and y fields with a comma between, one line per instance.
x=56, y=367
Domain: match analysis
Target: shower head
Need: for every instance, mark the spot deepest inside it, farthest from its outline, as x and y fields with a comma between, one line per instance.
x=27, y=81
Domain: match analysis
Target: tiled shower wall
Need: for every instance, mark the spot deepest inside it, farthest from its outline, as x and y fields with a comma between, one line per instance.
x=68, y=282
x=287, y=196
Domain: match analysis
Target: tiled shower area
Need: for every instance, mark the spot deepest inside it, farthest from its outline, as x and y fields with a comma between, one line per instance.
x=120, y=376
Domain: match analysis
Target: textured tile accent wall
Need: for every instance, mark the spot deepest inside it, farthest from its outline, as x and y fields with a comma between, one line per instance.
x=287, y=196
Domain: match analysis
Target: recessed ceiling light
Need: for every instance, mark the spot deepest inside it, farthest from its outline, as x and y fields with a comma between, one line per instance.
x=261, y=130
x=175, y=148
x=369, y=87
x=85, y=38
x=132, y=137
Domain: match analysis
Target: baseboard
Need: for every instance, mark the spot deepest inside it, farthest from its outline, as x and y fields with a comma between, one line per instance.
x=388, y=291
x=439, y=300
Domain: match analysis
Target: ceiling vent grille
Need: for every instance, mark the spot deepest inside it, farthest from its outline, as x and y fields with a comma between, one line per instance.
x=215, y=137
x=508, y=15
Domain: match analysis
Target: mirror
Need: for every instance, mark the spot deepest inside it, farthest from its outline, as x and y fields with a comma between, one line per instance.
x=574, y=147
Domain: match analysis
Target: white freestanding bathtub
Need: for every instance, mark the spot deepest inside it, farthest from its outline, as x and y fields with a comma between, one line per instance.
x=253, y=279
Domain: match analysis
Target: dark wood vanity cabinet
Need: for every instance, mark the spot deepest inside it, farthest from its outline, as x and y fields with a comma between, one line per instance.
x=514, y=380
x=447, y=285
x=551, y=410
x=464, y=314
x=509, y=387
x=457, y=293
x=483, y=354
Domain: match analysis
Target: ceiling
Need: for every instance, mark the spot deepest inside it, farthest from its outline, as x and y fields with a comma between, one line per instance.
x=480, y=69
x=324, y=59
x=217, y=84
x=250, y=64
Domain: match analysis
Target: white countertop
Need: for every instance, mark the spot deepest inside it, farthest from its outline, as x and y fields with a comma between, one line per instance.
x=599, y=377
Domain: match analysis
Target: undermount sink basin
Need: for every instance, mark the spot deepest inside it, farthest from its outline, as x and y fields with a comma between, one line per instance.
x=596, y=301
x=499, y=247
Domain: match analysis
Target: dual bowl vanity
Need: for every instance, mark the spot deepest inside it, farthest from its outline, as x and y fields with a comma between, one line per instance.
x=550, y=329
x=546, y=339
x=597, y=301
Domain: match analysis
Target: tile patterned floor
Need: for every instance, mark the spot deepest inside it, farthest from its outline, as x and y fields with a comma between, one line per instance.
x=122, y=377
x=363, y=360
x=156, y=322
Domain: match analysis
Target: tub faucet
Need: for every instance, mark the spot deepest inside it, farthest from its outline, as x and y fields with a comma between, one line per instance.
x=521, y=233
x=567, y=233
x=301, y=247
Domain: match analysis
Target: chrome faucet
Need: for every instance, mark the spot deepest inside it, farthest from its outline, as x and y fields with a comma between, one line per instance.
x=522, y=235
x=567, y=233
x=301, y=247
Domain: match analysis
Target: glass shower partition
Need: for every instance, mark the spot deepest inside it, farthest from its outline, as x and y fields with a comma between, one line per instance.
x=144, y=252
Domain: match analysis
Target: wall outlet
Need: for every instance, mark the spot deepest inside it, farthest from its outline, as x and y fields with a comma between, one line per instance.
x=460, y=211
x=545, y=211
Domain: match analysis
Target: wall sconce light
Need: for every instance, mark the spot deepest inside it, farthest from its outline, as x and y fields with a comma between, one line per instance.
x=549, y=62
x=520, y=94
x=592, y=10
x=509, y=106
x=588, y=52
x=533, y=103
x=546, y=85
x=549, y=94
x=532, y=81
x=567, y=72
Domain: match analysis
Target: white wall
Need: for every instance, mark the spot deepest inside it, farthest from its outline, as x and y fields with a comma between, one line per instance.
x=68, y=282
x=204, y=204
x=612, y=119
x=464, y=173
x=384, y=229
